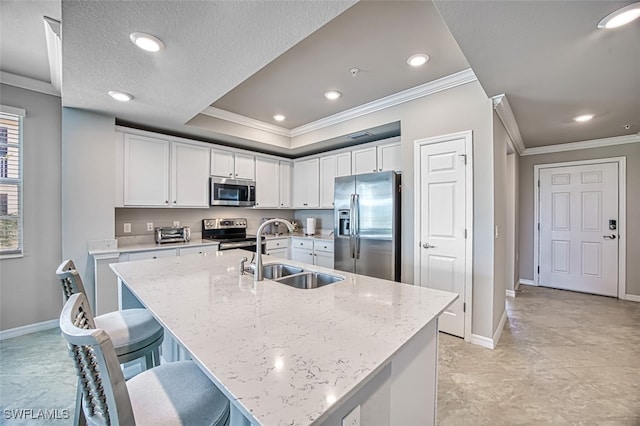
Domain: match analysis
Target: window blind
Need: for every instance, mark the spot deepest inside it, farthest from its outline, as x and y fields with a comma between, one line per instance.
x=10, y=184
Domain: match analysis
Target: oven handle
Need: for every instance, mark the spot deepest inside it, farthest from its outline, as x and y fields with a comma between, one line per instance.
x=228, y=246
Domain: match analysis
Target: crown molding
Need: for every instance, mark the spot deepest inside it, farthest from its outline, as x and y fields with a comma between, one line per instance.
x=28, y=83
x=54, y=50
x=444, y=83
x=435, y=86
x=245, y=121
x=573, y=146
x=505, y=113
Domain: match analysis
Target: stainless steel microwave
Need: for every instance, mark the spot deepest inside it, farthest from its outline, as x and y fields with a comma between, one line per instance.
x=232, y=192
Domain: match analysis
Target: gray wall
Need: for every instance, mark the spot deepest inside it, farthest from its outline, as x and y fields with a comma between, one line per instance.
x=29, y=290
x=88, y=193
x=632, y=152
x=462, y=108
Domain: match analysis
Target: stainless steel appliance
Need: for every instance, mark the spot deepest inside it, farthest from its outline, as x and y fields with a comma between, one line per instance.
x=230, y=232
x=232, y=192
x=180, y=234
x=367, y=225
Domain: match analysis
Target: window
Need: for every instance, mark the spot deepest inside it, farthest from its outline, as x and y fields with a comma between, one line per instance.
x=10, y=182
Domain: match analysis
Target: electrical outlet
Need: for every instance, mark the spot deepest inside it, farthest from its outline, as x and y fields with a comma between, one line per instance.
x=353, y=418
x=149, y=226
x=127, y=228
x=176, y=223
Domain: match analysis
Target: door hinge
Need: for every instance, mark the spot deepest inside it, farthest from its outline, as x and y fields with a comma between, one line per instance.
x=465, y=234
x=464, y=307
x=538, y=269
x=538, y=184
x=538, y=226
x=464, y=156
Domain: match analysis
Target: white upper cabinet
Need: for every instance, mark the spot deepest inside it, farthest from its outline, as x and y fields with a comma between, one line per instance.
x=232, y=165
x=146, y=171
x=285, y=183
x=190, y=175
x=267, y=182
x=160, y=173
x=332, y=166
x=306, y=183
x=380, y=158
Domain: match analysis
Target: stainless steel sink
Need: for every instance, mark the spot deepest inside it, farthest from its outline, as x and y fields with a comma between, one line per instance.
x=274, y=271
x=309, y=280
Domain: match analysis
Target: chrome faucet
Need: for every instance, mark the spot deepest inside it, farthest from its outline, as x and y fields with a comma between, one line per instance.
x=257, y=272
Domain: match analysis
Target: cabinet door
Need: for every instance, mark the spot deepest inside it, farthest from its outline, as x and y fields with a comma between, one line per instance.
x=285, y=183
x=222, y=163
x=343, y=164
x=281, y=253
x=328, y=171
x=302, y=255
x=245, y=167
x=306, y=183
x=146, y=171
x=267, y=183
x=364, y=161
x=190, y=175
x=389, y=157
x=323, y=258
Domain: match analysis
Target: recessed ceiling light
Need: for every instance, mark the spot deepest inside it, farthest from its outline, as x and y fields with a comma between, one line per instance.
x=332, y=94
x=621, y=16
x=418, y=59
x=279, y=117
x=147, y=42
x=583, y=118
x=120, y=96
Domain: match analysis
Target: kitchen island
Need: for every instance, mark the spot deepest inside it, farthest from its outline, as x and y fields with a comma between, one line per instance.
x=285, y=356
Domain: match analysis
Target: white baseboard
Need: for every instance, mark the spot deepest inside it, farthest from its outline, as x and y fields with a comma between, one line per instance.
x=632, y=298
x=498, y=333
x=510, y=293
x=486, y=342
x=26, y=329
x=526, y=282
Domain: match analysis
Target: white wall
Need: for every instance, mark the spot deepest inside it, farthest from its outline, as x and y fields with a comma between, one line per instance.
x=88, y=193
x=29, y=292
x=462, y=108
x=501, y=234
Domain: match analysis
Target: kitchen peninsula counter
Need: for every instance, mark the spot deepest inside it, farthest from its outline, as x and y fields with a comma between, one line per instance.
x=286, y=356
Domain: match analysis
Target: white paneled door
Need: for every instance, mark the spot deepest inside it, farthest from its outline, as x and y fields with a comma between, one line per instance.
x=578, y=222
x=442, y=226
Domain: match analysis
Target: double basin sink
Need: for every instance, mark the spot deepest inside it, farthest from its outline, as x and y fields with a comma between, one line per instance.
x=297, y=277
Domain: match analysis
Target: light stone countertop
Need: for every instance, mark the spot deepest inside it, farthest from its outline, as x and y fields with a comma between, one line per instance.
x=284, y=356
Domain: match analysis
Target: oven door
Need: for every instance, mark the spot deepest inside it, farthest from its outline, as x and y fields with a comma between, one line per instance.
x=232, y=192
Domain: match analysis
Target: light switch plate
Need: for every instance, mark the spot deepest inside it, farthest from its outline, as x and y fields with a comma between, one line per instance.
x=127, y=228
x=176, y=223
x=353, y=418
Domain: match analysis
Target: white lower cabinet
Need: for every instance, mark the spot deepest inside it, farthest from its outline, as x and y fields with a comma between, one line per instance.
x=277, y=247
x=313, y=252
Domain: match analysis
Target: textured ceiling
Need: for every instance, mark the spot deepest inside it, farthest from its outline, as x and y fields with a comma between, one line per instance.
x=553, y=64
x=375, y=36
x=211, y=46
x=23, y=48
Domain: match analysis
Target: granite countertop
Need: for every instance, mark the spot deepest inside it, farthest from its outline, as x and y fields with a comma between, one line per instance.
x=281, y=354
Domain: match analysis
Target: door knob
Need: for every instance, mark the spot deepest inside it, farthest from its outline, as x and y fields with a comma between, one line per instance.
x=609, y=237
x=427, y=246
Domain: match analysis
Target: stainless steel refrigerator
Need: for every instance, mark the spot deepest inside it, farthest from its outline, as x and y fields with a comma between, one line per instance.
x=367, y=224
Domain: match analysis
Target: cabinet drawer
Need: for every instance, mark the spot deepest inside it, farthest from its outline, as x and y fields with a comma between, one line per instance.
x=198, y=250
x=155, y=254
x=302, y=243
x=327, y=246
x=277, y=244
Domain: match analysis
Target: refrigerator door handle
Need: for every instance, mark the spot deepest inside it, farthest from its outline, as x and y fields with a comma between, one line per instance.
x=357, y=224
x=352, y=246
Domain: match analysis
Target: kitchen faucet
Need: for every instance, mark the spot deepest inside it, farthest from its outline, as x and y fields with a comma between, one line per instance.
x=257, y=272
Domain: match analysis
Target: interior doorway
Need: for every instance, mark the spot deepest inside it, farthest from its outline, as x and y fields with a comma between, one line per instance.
x=443, y=224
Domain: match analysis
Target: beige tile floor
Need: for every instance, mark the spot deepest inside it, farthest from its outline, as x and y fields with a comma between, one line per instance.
x=564, y=358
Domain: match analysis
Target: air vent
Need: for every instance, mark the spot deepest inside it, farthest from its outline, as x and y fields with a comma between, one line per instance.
x=358, y=135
